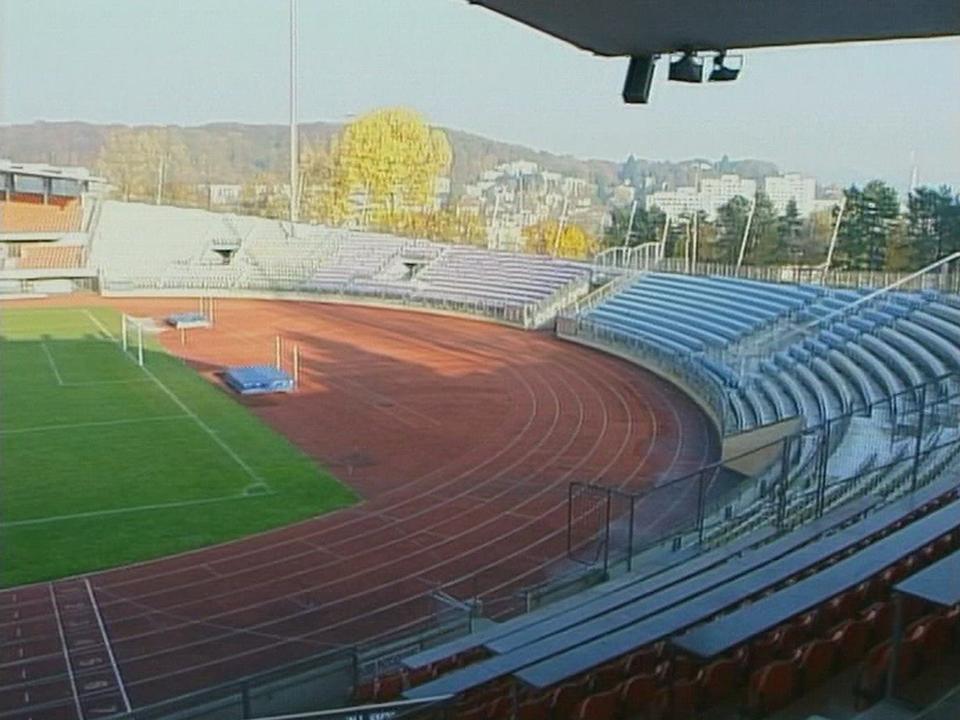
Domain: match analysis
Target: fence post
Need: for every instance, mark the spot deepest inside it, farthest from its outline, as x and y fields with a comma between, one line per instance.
x=633, y=501
x=606, y=535
x=822, y=469
x=918, y=447
x=245, y=701
x=701, y=507
x=782, y=489
x=570, y=519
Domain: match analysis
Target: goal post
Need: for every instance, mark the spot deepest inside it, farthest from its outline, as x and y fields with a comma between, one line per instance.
x=131, y=335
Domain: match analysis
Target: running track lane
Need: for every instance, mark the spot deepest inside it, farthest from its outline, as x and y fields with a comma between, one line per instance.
x=461, y=436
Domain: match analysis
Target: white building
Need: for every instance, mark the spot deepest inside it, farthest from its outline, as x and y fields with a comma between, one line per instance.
x=518, y=168
x=717, y=192
x=675, y=203
x=225, y=194
x=623, y=195
x=713, y=194
x=792, y=186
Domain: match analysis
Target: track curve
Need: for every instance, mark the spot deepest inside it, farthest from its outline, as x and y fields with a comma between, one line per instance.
x=461, y=436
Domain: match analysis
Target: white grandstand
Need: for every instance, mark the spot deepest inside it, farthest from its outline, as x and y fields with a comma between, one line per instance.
x=137, y=248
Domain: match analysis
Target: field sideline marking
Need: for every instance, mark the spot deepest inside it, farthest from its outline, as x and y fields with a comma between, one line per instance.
x=94, y=383
x=173, y=396
x=94, y=423
x=51, y=362
x=84, y=383
x=135, y=508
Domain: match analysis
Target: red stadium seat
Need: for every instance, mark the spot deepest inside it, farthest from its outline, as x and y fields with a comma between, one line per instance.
x=642, y=661
x=816, y=661
x=500, y=708
x=865, y=593
x=789, y=638
x=763, y=650
x=879, y=617
x=719, y=680
x=771, y=687
x=871, y=682
x=471, y=655
x=389, y=687
x=365, y=693
x=534, y=709
x=852, y=639
x=638, y=692
x=567, y=697
x=841, y=607
x=937, y=639
x=446, y=665
x=472, y=713
x=420, y=675
x=684, y=699
x=606, y=677
x=810, y=624
x=660, y=707
x=599, y=706
x=683, y=667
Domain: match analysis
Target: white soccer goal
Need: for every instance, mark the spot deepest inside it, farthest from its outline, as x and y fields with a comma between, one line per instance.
x=131, y=334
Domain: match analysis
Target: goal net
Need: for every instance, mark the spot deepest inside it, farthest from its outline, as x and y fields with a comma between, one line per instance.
x=131, y=338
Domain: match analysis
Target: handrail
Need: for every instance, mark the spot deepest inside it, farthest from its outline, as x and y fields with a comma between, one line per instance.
x=591, y=300
x=876, y=293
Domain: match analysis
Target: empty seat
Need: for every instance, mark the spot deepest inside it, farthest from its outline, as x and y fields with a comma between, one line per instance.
x=852, y=638
x=816, y=662
x=638, y=692
x=772, y=687
x=599, y=706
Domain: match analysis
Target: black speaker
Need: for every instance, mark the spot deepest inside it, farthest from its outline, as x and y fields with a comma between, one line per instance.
x=636, y=89
x=689, y=68
x=722, y=72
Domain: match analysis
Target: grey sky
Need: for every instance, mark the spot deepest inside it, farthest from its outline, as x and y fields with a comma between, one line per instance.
x=843, y=113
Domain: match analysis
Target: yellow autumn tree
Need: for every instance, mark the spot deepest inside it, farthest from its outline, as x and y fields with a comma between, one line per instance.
x=548, y=238
x=142, y=163
x=446, y=225
x=392, y=158
x=315, y=181
x=264, y=195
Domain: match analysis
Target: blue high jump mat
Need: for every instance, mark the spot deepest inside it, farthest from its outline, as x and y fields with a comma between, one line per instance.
x=187, y=320
x=258, y=379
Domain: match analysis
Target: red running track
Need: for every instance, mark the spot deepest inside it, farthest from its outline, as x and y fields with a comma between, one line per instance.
x=461, y=436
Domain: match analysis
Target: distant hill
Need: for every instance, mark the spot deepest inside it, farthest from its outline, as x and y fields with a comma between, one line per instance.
x=235, y=152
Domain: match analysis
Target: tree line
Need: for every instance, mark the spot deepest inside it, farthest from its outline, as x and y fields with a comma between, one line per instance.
x=875, y=233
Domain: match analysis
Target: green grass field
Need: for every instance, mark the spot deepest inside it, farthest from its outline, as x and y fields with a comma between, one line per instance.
x=104, y=463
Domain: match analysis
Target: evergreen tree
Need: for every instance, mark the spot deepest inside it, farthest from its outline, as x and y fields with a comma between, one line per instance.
x=932, y=227
x=731, y=221
x=867, y=225
x=764, y=239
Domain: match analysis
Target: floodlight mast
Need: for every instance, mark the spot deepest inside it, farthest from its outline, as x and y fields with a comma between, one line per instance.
x=294, y=146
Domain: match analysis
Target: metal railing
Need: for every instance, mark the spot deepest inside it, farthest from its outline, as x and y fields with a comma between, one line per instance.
x=684, y=369
x=946, y=708
x=894, y=446
x=638, y=258
x=525, y=315
x=947, y=281
x=589, y=301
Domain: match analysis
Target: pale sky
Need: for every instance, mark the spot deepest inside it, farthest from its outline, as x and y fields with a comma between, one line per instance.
x=843, y=113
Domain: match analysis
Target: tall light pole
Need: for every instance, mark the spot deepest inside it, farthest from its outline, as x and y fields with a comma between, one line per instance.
x=294, y=145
